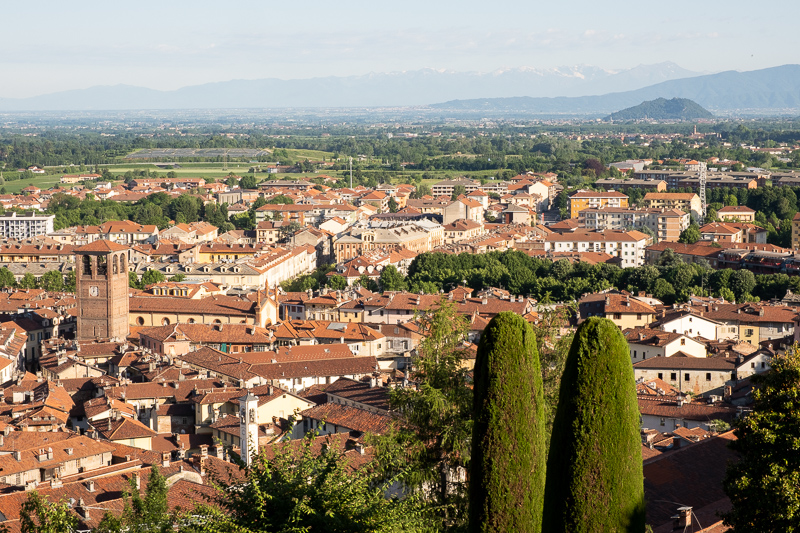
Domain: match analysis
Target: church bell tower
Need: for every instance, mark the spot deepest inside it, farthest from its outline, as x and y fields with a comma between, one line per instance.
x=102, y=290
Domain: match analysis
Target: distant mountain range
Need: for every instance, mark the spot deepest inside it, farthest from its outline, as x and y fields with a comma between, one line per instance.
x=772, y=89
x=663, y=109
x=580, y=90
x=411, y=88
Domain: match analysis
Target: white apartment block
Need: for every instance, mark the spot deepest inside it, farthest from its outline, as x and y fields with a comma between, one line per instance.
x=628, y=246
x=16, y=226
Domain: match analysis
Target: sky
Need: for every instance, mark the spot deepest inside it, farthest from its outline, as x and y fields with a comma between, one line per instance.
x=50, y=46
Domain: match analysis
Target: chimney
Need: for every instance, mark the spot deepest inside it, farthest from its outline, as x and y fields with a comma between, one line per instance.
x=137, y=480
x=165, y=459
x=727, y=391
x=90, y=485
x=683, y=520
x=204, y=450
x=269, y=391
x=82, y=508
x=679, y=401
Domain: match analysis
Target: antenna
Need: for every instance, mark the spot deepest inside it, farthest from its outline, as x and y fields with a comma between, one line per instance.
x=703, y=189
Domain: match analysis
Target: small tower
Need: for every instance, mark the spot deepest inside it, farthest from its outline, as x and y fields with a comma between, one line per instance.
x=248, y=427
x=102, y=290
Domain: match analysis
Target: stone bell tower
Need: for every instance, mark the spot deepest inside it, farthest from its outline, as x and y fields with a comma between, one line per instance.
x=248, y=427
x=101, y=286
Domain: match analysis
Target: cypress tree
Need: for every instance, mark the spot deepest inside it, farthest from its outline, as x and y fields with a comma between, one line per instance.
x=507, y=467
x=595, y=480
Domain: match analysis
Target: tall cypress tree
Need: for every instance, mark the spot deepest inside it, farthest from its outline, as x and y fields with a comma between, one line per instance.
x=507, y=468
x=594, y=480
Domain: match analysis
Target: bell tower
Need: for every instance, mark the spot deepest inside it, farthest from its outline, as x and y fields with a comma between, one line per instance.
x=248, y=427
x=101, y=280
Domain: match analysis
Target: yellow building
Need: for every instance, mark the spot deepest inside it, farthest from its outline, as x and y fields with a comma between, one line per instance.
x=593, y=199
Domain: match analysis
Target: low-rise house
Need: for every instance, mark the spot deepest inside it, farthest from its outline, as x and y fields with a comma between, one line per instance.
x=668, y=414
x=625, y=310
x=34, y=461
x=645, y=343
x=696, y=375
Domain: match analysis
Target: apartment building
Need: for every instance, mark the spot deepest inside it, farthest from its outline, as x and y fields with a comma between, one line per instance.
x=628, y=246
x=666, y=224
x=581, y=200
x=24, y=226
x=688, y=202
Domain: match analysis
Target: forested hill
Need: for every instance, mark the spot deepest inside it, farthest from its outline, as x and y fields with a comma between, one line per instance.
x=663, y=109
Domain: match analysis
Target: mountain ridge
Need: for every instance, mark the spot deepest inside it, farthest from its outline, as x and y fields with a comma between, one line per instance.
x=403, y=88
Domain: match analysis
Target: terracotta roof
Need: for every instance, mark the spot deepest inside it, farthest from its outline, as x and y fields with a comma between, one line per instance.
x=101, y=245
x=361, y=392
x=719, y=364
x=123, y=428
x=692, y=476
x=348, y=417
x=697, y=411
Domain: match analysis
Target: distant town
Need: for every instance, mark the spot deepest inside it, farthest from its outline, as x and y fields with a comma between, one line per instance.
x=180, y=311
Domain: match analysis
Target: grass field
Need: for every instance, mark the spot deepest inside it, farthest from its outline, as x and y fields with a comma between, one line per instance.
x=208, y=170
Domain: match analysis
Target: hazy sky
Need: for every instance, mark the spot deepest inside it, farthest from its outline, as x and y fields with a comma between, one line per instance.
x=48, y=46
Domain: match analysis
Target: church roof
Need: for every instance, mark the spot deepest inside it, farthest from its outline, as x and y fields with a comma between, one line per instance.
x=101, y=245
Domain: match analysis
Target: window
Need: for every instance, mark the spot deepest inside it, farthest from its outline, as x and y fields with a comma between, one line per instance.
x=708, y=376
x=639, y=316
x=752, y=365
x=748, y=332
x=662, y=421
x=686, y=377
x=763, y=364
x=634, y=354
x=673, y=376
x=617, y=316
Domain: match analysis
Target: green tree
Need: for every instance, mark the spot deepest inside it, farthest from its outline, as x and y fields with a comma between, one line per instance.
x=392, y=279
x=431, y=444
x=393, y=205
x=148, y=514
x=337, y=283
x=180, y=276
x=280, y=199
x=70, y=283
x=368, y=283
x=507, y=466
x=458, y=190
x=248, y=182
x=727, y=294
x=595, y=480
x=742, y=283
x=422, y=189
x=762, y=485
x=133, y=281
x=300, y=489
x=53, y=281
x=690, y=235
x=38, y=515
x=28, y=281
x=7, y=278
x=152, y=276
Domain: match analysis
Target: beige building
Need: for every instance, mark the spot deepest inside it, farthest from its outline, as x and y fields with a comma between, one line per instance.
x=624, y=310
x=739, y=213
x=688, y=202
x=666, y=224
